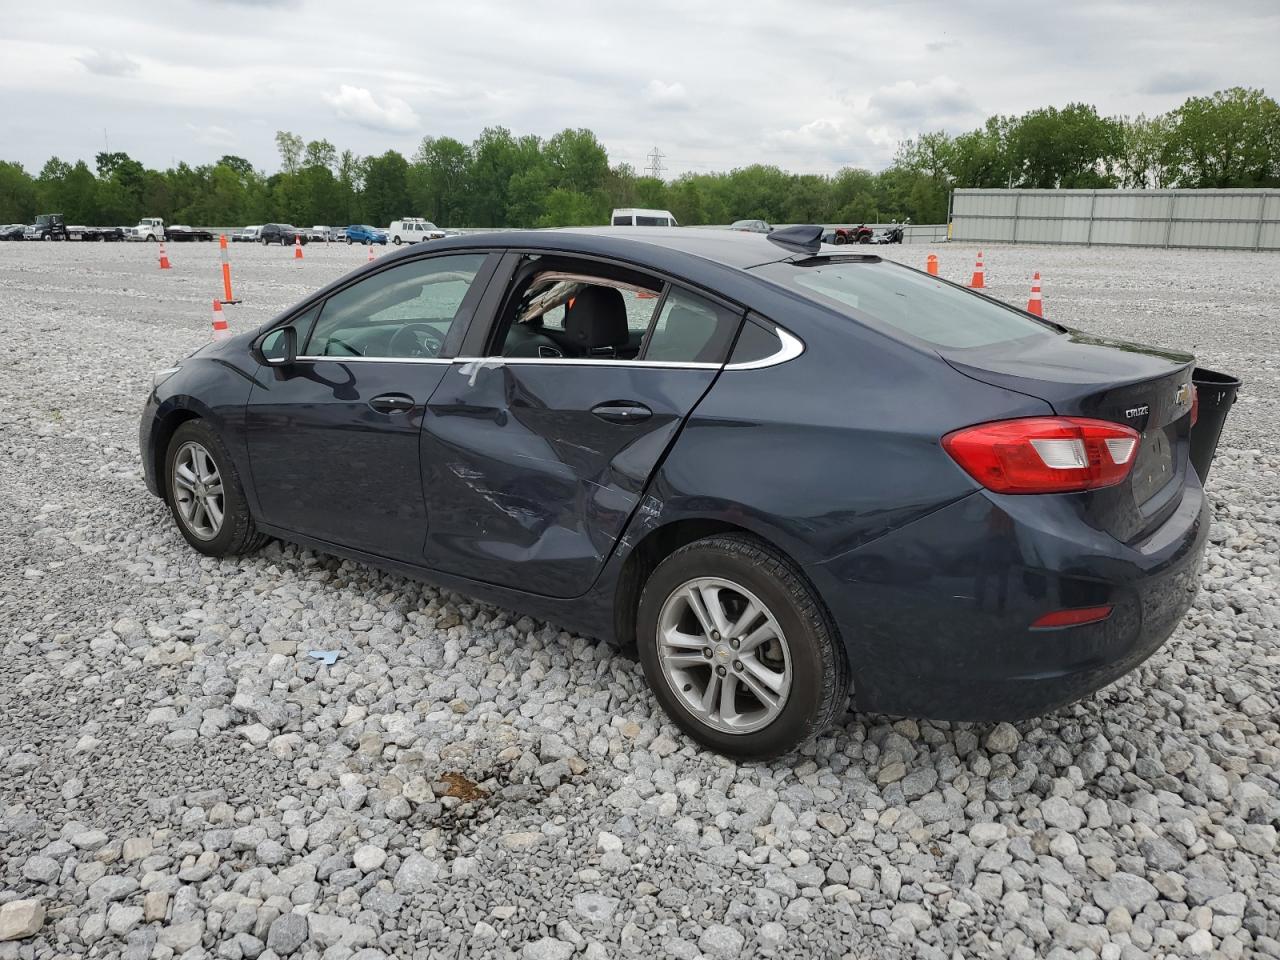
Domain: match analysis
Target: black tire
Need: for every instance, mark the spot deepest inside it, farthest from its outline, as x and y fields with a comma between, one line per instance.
x=820, y=670
x=238, y=533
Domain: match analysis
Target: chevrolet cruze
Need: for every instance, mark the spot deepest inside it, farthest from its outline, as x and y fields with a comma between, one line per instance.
x=789, y=474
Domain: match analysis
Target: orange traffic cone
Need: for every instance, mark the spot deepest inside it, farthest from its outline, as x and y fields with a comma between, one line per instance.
x=226, y=272
x=932, y=264
x=978, y=274
x=1036, y=303
x=297, y=246
x=370, y=258
x=164, y=258
x=220, y=329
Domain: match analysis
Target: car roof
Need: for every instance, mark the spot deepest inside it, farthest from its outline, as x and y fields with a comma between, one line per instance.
x=726, y=247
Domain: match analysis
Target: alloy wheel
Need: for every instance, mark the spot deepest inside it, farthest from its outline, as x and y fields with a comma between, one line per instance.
x=724, y=655
x=198, y=491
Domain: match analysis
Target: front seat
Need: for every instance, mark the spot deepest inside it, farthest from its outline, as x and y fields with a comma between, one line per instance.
x=596, y=321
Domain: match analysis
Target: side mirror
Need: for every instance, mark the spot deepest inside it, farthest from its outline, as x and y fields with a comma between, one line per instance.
x=284, y=351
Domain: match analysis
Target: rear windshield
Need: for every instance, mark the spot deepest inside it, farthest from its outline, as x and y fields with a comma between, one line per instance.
x=914, y=303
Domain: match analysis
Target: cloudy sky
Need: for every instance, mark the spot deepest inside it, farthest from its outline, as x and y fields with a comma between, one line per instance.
x=809, y=85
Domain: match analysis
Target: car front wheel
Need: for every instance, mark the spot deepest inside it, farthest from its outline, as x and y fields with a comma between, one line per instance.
x=739, y=650
x=205, y=495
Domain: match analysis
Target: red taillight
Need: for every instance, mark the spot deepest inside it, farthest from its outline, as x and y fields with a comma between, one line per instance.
x=1045, y=454
x=1195, y=404
x=1072, y=618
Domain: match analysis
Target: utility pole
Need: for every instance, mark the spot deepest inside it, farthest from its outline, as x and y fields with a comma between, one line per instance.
x=655, y=167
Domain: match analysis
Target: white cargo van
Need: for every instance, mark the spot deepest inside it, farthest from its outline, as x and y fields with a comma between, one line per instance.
x=413, y=229
x=636, y=217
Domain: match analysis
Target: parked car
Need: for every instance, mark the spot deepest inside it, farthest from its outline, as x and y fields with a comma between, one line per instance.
x=48, y=226
x=413, y=230
x=281, y=233
x=245, y=234
x=638, y=217
x=751, y=226
x=363, y=233
x=337, y=234
x=323, y=234
x=13, y=231
x=779, y=469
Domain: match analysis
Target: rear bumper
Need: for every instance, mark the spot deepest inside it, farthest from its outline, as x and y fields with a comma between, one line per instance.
x=936, y=615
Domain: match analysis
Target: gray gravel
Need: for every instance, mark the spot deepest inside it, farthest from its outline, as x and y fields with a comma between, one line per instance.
x=178, y=778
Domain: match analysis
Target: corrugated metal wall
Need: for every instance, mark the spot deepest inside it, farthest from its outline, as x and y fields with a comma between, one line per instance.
x=1224, y=219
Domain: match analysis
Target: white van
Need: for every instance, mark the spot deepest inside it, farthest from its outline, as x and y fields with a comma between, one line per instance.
x=413, y=229
x=636, y=217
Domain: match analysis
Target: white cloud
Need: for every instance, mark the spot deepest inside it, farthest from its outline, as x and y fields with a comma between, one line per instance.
x=667, y=96
x=211, y=135
x=108, y=63
x=358, y=105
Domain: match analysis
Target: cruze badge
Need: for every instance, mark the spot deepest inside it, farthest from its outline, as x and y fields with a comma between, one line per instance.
x=1137, y=411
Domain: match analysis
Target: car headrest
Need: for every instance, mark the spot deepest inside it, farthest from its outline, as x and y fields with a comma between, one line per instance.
x=597, y=318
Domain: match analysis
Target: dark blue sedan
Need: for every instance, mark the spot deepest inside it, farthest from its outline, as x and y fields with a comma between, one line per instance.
x=788, y=473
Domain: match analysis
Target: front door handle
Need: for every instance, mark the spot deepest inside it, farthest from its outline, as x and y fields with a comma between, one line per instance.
x=392, y=403
x=622, y=411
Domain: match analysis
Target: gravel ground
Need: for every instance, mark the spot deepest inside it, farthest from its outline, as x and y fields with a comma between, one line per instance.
x=177, y=777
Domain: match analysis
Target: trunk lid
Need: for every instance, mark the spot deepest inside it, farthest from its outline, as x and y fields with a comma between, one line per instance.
x=1079, y=374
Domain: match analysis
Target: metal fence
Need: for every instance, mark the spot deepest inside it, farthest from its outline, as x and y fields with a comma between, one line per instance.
x=1221, y=219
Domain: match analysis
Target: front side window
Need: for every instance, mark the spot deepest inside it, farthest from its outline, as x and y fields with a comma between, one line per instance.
x=622, y=221
x=404, y=312
x=913, y=303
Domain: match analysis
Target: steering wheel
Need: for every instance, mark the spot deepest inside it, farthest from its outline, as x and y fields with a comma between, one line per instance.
x=415, y=340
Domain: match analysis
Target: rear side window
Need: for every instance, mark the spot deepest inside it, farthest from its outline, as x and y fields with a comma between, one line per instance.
x=691, y=329
x=622, y=221
x=754, y=343
x=914, y=303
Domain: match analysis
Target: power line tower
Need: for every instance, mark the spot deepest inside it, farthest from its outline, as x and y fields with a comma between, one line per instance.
x=654, y=168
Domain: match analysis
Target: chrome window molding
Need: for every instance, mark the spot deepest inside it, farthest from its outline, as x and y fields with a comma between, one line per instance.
x=792, y=347
x=339, y=359
x=590, y=361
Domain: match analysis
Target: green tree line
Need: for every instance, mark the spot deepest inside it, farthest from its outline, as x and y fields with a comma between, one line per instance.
x=1229, y=139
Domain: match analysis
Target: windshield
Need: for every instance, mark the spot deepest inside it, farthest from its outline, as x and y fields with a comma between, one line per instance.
x=914, y=303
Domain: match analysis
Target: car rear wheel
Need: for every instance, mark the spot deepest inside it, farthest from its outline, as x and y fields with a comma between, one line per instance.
x=739, y=650
x=205, y=495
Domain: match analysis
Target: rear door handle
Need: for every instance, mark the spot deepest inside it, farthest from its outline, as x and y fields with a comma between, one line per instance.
x=622, y=411
x=392, y=403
